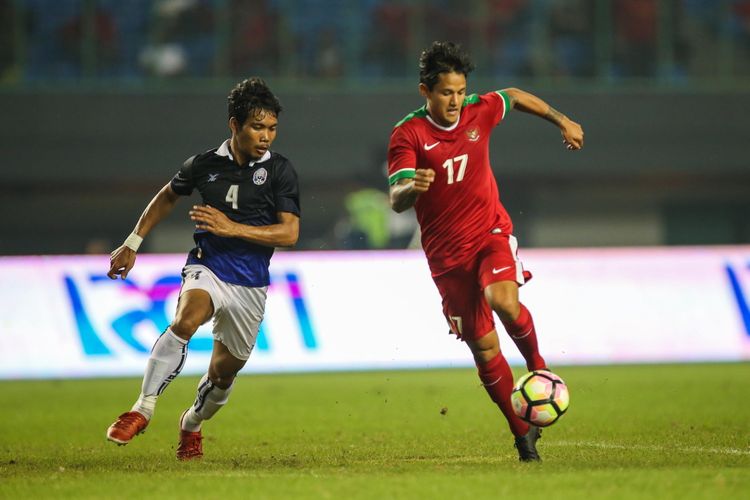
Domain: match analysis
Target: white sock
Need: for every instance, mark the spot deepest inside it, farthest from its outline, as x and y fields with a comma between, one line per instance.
x=167, y=359
x=209, y=400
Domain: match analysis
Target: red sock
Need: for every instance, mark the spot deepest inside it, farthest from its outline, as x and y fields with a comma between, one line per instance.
x=524, y=335
x=498, y=382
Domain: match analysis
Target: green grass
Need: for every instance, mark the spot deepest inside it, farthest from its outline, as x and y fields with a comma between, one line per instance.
x=675, y=431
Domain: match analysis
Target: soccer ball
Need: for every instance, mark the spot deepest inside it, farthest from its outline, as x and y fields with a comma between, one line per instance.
x=540, y=398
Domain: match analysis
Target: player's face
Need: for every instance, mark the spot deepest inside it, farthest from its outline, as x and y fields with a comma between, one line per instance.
x=255, y=136
x=446, y=98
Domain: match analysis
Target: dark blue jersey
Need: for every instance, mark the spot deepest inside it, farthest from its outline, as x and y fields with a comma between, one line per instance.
x=251, y=194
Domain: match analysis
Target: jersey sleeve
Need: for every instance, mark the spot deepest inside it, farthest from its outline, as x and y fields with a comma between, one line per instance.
x=286, y=189
x=402, y=156
x=182, y=183
x=499, y=104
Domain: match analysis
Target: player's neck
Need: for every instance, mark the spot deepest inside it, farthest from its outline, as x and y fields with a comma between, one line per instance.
x=239, y=158
x=440, y=123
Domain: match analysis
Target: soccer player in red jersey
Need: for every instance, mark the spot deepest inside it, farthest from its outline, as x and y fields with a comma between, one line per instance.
x=438, y=163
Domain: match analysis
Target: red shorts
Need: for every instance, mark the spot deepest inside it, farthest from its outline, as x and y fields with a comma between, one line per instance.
x=462, y=288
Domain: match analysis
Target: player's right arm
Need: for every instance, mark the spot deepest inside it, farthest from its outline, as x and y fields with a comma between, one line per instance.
x=406, y=179
x=122, y=259
x=404, y=193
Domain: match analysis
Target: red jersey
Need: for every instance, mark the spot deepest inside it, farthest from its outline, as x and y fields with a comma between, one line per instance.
x=462, y=205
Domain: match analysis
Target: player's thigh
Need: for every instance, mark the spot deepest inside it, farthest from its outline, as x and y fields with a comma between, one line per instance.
x=500, y=275
x=468, y=314
x=237, y=325
x=198, y=300
x=194, y=307
x=502, y=297
x=224, y=366
x=498, y=261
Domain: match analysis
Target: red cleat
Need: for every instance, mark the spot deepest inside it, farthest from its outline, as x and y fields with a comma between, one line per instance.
x=126, y=427
x=191, y=445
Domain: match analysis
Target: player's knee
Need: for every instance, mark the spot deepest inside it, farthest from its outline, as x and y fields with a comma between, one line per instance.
x=185, y=327
x=506, y=306
x=484, y=356
x=485, y=349
x=221, y=380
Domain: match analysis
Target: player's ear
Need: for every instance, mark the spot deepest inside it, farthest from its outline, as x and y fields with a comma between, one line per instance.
x=234, y=125
x=423, y=90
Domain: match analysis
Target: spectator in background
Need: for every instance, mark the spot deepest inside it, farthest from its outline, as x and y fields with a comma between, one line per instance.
x=255, y=37
x=509, y=32
x=449, y=17
x=104, y=39
x=71, y=38
x=329, y=59
x=740, y=29
x=635, y=37
x=48, y=54
x=571, y=31
x=388, y=39
x=131, y=21
x=371, y=224
x=366, y=223
x=318, y=29
x=7, y=17
x=185, y=42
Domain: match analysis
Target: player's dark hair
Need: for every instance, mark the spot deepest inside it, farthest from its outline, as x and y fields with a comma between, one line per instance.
x=250, y=96
x=443, y=57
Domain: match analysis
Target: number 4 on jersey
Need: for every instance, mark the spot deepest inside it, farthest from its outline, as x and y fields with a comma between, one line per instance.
x=233, y=195
x=448, y=164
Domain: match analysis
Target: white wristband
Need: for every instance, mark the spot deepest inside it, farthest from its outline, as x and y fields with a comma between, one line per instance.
x=133, y=242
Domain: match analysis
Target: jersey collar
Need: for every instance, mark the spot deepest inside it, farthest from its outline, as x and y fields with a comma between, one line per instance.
x=225, y=150
x=445, y=129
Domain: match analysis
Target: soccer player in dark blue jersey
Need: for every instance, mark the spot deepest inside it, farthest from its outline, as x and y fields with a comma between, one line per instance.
x=250, y=206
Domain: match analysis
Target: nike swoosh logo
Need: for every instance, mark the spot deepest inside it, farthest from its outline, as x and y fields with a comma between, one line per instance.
x=495, y=271
x=427, y=148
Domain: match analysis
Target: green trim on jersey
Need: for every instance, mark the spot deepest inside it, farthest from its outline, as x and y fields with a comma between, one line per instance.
x=506, y=101
x=419, y=113
x=471, y=99
x=404, y=173
x=422, y=112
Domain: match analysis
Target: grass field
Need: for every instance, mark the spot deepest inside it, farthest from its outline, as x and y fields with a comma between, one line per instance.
x=676, y=431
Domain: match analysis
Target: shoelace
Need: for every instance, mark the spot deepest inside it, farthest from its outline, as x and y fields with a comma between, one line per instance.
x=192, y=442
x=129, y=419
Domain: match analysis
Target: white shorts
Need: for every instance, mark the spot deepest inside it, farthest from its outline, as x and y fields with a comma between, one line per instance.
x=238, y=310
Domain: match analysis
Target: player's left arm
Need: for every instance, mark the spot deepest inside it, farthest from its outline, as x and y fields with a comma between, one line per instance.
x=285, y=233
x=571, y=131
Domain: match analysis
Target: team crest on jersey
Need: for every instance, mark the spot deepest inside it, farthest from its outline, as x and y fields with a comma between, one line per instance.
x=473, y=134
x=260, y=176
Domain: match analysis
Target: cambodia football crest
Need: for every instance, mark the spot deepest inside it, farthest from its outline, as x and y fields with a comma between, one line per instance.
x=473, y=134
x=260, y=176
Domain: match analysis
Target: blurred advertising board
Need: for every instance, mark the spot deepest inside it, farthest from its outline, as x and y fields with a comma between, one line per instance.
x=62, y=317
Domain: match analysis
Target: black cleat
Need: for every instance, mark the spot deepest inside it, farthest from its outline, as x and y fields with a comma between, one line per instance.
x=526, y=445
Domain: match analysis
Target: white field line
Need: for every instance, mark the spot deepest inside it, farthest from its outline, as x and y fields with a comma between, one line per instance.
x=614, y=446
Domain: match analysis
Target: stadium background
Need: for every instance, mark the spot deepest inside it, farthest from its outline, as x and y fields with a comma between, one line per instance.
x=102, y=100
x=639, y=244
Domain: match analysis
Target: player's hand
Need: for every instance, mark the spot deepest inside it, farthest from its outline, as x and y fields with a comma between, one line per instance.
x=422, y=180
x=572, y=134
x=212, y=220
x=121, y=261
